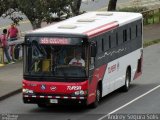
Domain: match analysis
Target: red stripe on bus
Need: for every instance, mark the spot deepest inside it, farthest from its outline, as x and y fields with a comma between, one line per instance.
x=102, y=29
x=98, y=75
x=139, y=73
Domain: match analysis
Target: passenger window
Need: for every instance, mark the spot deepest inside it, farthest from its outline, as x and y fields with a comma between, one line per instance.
x=106, y=42
x=124, y=35
x=133, y=31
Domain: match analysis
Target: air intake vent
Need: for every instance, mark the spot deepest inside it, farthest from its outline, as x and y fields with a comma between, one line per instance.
x=104, y=14
x=67, y=26
x=86, y=20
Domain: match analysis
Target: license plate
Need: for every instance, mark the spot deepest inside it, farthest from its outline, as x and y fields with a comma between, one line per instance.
x=54, y=101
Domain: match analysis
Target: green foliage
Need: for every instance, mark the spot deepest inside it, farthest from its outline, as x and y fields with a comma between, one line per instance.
x=36, y=11
x=133, y=9
x=5, y=5
x=151, y=17
x=149, y=43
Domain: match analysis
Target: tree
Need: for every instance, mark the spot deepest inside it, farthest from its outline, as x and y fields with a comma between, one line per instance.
x=8, y=8
x=35, y=11
x=75, y=6
x=38, y=11
x=5, y=5
x=112, y=5
x=59, y=7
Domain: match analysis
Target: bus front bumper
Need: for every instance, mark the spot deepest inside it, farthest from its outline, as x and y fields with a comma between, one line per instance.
x=62, y=100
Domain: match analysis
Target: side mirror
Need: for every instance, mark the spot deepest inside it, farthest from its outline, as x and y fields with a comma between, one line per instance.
x=93, y=50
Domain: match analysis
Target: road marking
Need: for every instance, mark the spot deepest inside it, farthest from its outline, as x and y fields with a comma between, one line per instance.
x=129, y=102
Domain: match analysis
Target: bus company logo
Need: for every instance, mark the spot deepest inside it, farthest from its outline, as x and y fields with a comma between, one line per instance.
x=53, y=88
x=74, y=87
x=43, y=87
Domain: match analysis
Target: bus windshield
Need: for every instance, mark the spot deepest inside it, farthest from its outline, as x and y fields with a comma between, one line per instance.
x=57, y=57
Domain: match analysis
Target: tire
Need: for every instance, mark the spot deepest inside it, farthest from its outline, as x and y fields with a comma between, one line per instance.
x=98, y=96
x=126, y=87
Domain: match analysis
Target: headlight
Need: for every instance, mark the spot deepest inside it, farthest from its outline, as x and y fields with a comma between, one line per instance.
x=81, y=92
x=27, y=91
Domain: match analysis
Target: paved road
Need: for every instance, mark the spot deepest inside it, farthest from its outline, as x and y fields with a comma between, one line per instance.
x=146, y=104
x=111, y=103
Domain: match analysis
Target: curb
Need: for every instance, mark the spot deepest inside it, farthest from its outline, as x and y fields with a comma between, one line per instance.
x=10, y=94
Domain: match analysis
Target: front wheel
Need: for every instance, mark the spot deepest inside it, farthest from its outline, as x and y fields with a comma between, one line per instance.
x=98, y=96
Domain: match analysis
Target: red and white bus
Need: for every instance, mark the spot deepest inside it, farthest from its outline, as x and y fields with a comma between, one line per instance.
x=110, y=44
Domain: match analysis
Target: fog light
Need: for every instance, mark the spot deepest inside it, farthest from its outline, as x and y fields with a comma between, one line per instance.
x=81, y=92
x=27, y=91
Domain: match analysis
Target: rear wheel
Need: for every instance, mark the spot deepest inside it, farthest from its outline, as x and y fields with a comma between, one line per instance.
x=98, y=96
x=126, y=87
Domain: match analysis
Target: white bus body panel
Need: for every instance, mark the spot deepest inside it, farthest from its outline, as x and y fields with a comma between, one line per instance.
x=116, y=79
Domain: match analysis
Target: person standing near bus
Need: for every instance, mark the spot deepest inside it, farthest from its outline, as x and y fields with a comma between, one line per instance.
x=5, y=46
x=12, y=33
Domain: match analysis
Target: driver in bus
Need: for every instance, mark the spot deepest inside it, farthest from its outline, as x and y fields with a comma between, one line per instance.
x=77, y=60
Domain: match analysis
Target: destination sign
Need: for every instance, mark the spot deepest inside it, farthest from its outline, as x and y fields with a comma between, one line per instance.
x=55, y=41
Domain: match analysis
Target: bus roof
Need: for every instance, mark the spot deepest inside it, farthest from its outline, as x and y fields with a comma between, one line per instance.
x=90, y=23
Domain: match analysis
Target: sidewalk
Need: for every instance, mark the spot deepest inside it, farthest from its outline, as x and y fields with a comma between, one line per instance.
x=151, y=32
x=10, y=79
x=11, y=75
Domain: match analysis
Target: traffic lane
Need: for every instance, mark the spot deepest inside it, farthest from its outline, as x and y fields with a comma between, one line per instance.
x=15, y=105
x=108, y=104
x=111, y=102
x=148, y=104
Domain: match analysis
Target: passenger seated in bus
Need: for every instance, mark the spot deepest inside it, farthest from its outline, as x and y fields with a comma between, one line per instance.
x=77, y=60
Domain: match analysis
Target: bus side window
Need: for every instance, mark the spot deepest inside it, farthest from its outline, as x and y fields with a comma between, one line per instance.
x=117, y=38
x=133, y=31
x=139, y=29
x=124, y=35
x=93, y=52
x=92, y=61
x=106, y=42
x=99, y=45
x=120, y=37
x=113, y=39
x=93, y=49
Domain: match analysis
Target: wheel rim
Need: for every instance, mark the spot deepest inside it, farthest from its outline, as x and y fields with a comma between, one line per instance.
x=98, y=95
x=127, y=81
